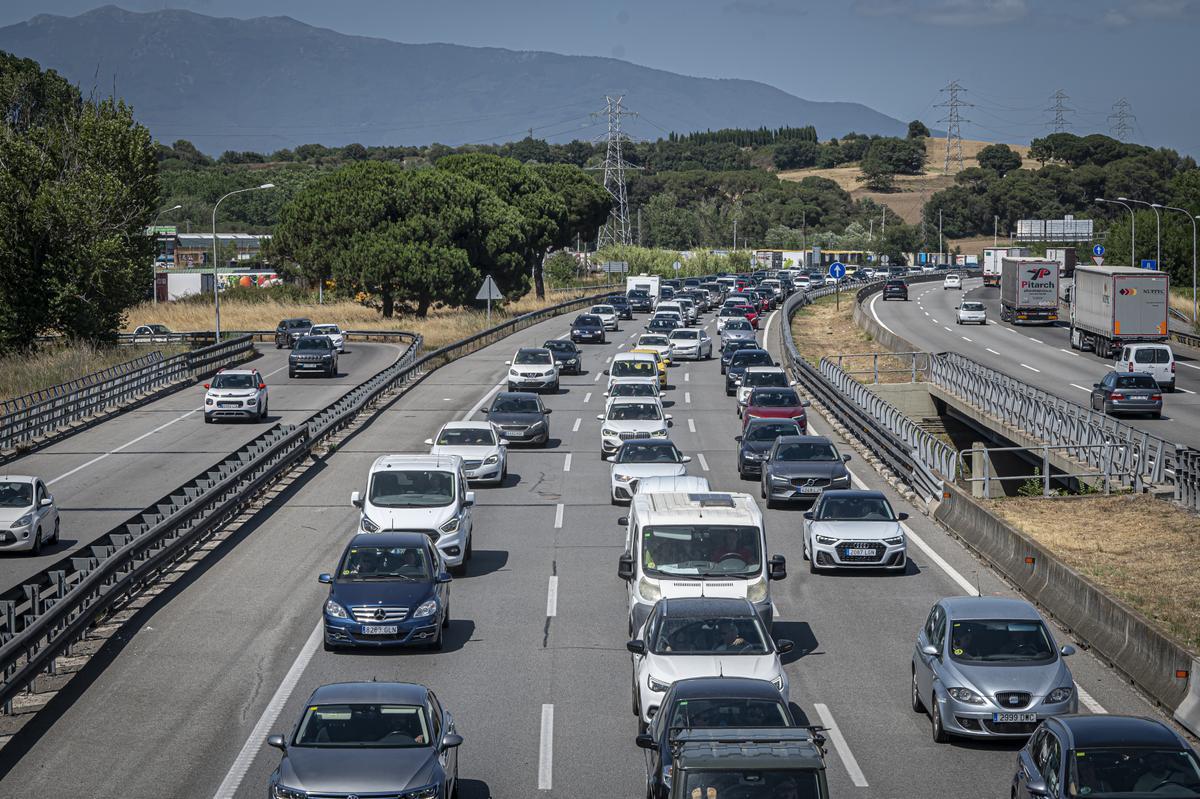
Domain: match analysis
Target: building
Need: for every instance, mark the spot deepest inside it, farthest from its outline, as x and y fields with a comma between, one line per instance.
x=196, y=249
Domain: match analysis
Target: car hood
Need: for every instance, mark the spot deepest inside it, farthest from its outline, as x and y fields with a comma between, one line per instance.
x=342, y=770
x=857, y=531
x=534, y=368
x=1038, y=680
x=514, y=418
x=238, y=393
x=757, y=446
x=8, y=515
x=738, y=335
x=410, y=518
x=467, y=453
x=381, y=592
x=635, y=425
x=641, y=470
x=671, y=667
x=830, y=469
x=775, y=412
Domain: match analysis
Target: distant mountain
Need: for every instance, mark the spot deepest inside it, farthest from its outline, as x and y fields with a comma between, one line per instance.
x=272, y=82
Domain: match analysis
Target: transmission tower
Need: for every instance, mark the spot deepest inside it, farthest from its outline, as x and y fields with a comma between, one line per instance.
x=616, y=229
x=954, y=148
x=1121, y=120
x=1060, y=123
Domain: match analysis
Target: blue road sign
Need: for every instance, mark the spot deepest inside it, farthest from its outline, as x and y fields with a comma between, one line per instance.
x=1149, y=263
x=837, y=270
x=1098, y=250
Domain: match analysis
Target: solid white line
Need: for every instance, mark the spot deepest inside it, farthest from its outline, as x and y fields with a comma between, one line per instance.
x=767, y=329
x=992, y=351
x=1030, y=368
x=558, y=516
x=1081, y=388
x=703, y=462
x=483, y=400
x=575, y=427
x=964, y=338
x=1188, y=365
x=126, y=445
x=839, y=743
x=1089, y=701
x=270, y=715
x=587, y=397
x=687, y=396
x=1184, y=390
x=691, y=425
x=877, y=319
x=552, y=597
x=1068, y=352
x=567, y=463
x=546, y=750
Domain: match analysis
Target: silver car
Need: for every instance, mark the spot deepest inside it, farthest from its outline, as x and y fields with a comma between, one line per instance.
x=988, y=667
x=369, y=739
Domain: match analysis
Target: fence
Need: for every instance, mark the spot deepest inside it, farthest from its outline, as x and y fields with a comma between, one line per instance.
x=966, y=459
x=918, y=362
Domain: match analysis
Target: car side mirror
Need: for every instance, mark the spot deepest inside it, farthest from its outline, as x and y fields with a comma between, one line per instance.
x=846, y=457
x=356, y=499
x=808, y=515
x=46, y=502
x=325, y=579
x=605, y=394
x=451, y=740
x=625, y=567
x=902, y=516
x=429, y=442
x=777, y=567
x=637, y=647
x=687, y=458
x=261, y=386
x=645, y=741
x=1067, y=650
x=784, y=646
x=469, y=500
x=805, y=404
x=1036, y=786
x=1095, y=385
x=508, y=363
x=208, y=385
x=277, y=742
x=444, y=577
x=599, y=417
x=668, y=417
x=611, y=458
x=547, y=411
x=623, y=521
x=605, y=371
x=737, y=439
x=931, y=650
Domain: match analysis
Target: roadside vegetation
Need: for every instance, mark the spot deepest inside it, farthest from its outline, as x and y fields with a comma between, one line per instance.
x=52, y=364
x=821, y=330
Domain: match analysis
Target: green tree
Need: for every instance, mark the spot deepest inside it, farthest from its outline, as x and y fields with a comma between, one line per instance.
x=877, y=176
x=796, y=154
x=668, y=225
x=588, y=204
x=917, y=130
x=1000, y=158
x=561, y=268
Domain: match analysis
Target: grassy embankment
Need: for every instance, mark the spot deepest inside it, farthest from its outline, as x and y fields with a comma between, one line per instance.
x=57, y=363
x=822, y=330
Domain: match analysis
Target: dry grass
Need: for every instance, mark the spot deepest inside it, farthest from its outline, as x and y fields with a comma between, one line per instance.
x=1143, y=550
x=821, y=330
x=57, y=363
x=1181, y=300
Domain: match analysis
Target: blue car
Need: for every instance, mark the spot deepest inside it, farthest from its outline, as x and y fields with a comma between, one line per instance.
x=390, y=589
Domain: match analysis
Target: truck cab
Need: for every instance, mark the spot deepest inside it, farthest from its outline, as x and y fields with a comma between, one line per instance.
x=748, y=761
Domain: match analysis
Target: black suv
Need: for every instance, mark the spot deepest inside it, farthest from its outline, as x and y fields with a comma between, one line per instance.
x=641, y=300
x=620, y=304
x=568, y=356
x=313, y=354
x=289, y=331
x=895, y=290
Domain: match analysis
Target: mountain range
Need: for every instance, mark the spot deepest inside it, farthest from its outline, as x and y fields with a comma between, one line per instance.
x=273, y=82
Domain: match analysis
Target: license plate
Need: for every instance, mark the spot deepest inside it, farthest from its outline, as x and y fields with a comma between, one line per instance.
x=229, y=404
x=380, y=629
x=310, y=366
x=861, y=553
x=811, y=490
x=1014, y=717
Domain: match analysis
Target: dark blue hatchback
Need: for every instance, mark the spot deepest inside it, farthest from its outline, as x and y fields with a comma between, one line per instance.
x=390, y=589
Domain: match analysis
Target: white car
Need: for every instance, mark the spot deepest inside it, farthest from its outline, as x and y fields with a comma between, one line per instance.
x=1158, y=360
x=628, y=418
x=952, y=281
x=654, y=341
x=533, y=369
x=847, y=528
x=830, y=280
x=479, y=444
x=632, y=364
x=633, y=387
x=674, y=484
x=673, y=307
x=28, y=515
x=335, y=335
x=690, y=310
x=971, y=312
x=638, y=459
x=760, y=377
x=687, y=637
x=801, y=281
x=690, y=344
x=155, y=333
x=236, y=394
x=608, y=315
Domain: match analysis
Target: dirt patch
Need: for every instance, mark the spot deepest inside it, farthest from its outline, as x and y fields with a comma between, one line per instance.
x=1142, y=550
x=821, y=330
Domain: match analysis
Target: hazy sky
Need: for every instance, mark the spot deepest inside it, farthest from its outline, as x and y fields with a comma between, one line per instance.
x=893, y=55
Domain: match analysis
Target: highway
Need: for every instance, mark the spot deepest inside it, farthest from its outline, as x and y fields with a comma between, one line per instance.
x=1040, y=355
x=535, y=669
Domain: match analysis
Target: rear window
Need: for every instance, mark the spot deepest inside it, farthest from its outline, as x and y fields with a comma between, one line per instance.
x=1136, y=381
x=752, y=358
x=1152, y=355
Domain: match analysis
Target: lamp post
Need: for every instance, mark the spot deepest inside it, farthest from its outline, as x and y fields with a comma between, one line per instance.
x=1192, y=219
x=1157, y=230
x=1132, y=227
x=216, y=293
x=153, y=275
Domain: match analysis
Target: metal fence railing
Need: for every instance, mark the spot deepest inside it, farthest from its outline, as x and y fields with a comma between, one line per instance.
x=1044, y=475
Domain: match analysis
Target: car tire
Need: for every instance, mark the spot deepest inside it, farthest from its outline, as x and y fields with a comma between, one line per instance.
x=637, y=711
x=1107, y=409
x=1156, y=415
x=207, y=419
x=262, y=414
x=328, y=647
x=57, y=530
x=917, y=705
x=439, y=641
x=291, y=374
x=938, y=732
x=36, y=549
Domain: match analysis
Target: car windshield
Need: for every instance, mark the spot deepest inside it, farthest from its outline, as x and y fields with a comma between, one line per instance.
x=638, y=294
x=686, y=335
x=234, y=381
x=765, y=379
x=529, y=357
x=649, y=452
x=298, y=323
x=715, y=550
x=313, y=343
x=587, y=321
x=662, y=324
x=892, y=284
x=772, y=398
x=1152, y=355
x=15, y=494
x=634, y=411
x=363, y=726
x=637, y=368
x=751, y=358
x=325, y=330
x=653, y=341
x=855, y=508
x=561, y=347
x=1136, y=381
x=807, y=451
x=1133, y=771
x=771, y=431
x=753, y=784
x=466, y=437
x=516, y=405
x=972, y=306
x=1000, y=641
x=384, y=563
x=633, y=390
x=727, y=712
x=602, y=309
x=159, y=328
x=417, y=488
x=704, y=636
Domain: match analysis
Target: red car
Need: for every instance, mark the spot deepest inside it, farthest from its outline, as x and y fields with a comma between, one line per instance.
x=769, y=402
x=750, y=313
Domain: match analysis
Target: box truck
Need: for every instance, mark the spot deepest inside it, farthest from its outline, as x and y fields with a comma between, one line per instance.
x=1065, y=257
x=992, y=259
x=1028, y=290
x=1112, y=306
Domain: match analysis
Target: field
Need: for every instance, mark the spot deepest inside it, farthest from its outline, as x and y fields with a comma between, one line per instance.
x=821, y=330
x=53, y=364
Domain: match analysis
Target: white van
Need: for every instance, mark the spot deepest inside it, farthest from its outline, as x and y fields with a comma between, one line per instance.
x=631, y=364
x=674, y=484
x=696, y=545
x=425, y=493
x=1157, y=359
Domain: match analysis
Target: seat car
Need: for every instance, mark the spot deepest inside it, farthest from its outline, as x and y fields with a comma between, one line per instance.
x=1156, y=360
x=801, y=467
x=333, y=331
x=313, y=354
x=608, y=315
x=479, y=444
x=769, y=402
x=656, y=342
x=662, y=325
x=692, y=345
x=740, y=362
x=988, y=667
x=567, y=356
x=289, y=331
x=756, y=440
x=631, y=418
x=854, y=529
x=236, y=394
x=28, y=515
x=672, y=307
x=520, y=417
x=733, y=345
x=895, y=290
x=636, y=364
x=970, y=312
x=369, y=739
x=1106, y=756
x=588, y=327
x=533, y=369
x=701, y=637
x=420, y=492
x=1127, y=392
x=636, y=459
x=736, y=328
x=952, y=281
x=764, y=376
x=389, y=589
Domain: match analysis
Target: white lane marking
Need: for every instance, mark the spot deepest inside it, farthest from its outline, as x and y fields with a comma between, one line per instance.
x=936, y=322
x=1068, y=352
x=877, y=319
x=258, y=735
x=964, y=338
x=687, y=377
x=558, y=516
x=126, y=445
x=1035, y=340
x=1081, y=388
x=926, y=313
x=575, y=427
x=567, y=463
x=1030, y=368
x=487, y=395
x=1188, y=365
x=767, y=329
x=635, y=335
x=280, y=369
x=546, y=750
x=1184, y=390
x=948, y=330
x=1010, y=330
x=703, y=462
x=447, y=399
x=1089, y=701
x=552, y=597
x=992, y=351
x=608, y=359
x=596, y=379
x=839, y=743
x=587, y=397
x=687, y=397
x=691, y=425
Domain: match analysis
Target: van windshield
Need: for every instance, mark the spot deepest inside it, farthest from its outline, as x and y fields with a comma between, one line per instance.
x=418, y=488
x=633, y=369
x=702, y=550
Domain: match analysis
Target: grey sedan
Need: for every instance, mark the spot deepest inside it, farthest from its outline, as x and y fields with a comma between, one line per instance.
x=1128, y=392
x=988, y=667
x=369, y=739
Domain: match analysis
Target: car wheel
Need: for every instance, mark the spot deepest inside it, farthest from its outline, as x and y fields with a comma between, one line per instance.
x=328, y=647
x=917, y=705
x=439, y=642
x=1108, y=409
x=935, y=723
x=1156, y=415
x=57, y=530
x=36, y=549
x=291, y=374
x=636, y=710
x=446, y=619
x=511, y=388
x=207, y=419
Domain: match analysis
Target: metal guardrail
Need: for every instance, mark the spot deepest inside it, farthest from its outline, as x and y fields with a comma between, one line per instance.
x=1044, y=475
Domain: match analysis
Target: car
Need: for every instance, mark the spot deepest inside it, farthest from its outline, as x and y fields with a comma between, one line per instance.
x=988, y=667
x=333, y=331
x=674, y=317
x=313, y=354
x=756, y=376
x=1106, y=755
x=691, y=345
x=28, y=516
x=520, y=417
x=655, y=342
x=662, y=362
x=673, y=307
x=701, y=637
x=479, y=444
x=802, y=282
x=155, y=333
x=389, y=589
x=636, y=459
x=756, y=440
x=533, y=369
x=621, y=305
x=705, y=703
x=742, y=360
x=634, y=364
x=772, y=402
x=633, y=387
x=971, y=312
x=1127, y=392
x=289, y=331
x=567, y=356
x=801, y=468
x=895, y=290
x=672, y=484
x=663, y=325
x=690, y=311
x=952, y=280
x=588, y=327
x=640, y=300
x=853, y=529
x=735, y=328
x=732, y=346
x=397, y=736
x=1157, y=360
x=628, y=418
x=236, y=394
x=608, y=316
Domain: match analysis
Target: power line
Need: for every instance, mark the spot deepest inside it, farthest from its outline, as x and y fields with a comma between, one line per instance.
x=616, y=229
x=954, y=147
x=1060, y=123
x=1121, y=120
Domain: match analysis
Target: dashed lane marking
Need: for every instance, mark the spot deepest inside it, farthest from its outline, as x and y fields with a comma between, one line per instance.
x=546, y=750
x=703, y=462
x=1030, y=368
x=691, y=425
x=558, y=516
x=567, y=463
x=575, y=427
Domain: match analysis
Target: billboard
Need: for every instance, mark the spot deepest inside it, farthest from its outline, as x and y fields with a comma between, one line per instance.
x=1067, y=229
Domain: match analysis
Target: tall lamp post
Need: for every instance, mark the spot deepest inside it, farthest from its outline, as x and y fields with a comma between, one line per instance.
x=216, y=293
x=1132, y=228
x=153, y=276
x=1191, y=219
x=1157, y=230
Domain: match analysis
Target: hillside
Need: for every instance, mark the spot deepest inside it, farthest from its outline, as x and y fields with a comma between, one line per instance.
x=272, y=82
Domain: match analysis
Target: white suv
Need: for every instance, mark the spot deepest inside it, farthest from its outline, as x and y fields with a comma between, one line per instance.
x=236, y=394
x=630, y=418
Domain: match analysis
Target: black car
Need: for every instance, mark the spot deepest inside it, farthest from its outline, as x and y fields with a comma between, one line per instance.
x=895, y=290
x=588, y=327
x=621, y=305
x=568, y=356
x=730, y=347
x=756, y=441
x=313, y=354
x=1128, y=392
x=641, y=300
x=289, y=331
x=520, y=417
x=739, y=362
x=663, y=326
x=801, y=467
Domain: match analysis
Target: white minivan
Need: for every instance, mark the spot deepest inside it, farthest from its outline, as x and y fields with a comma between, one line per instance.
x=1156, y=359
x=696, y=545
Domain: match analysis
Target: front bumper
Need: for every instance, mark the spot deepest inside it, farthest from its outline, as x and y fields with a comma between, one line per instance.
x=977, y=721
x=610, y=324
x=750, y=466
x=837, y=556
x=685, y=353
x=347, y=632
x=595, y=335
x=622, y=491
x=533, y=383
x=245, y=409
x=568, y=368
x=491, y=472
x=804, y=492
x=534, y=434
x=310, y=366
x=17, y=540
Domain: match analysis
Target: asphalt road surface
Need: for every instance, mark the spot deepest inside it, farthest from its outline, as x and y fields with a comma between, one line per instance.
x=535, y=668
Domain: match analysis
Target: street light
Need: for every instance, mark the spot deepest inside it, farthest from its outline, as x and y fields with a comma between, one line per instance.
x=1191, y=219
x=217, y=294
x=1157, y=230
x=153, y=276
x=1132, y=227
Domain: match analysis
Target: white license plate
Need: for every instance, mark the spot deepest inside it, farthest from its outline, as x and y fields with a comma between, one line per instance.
x=810, y=489
x=380, y=629
x=860, y=553
x=1011, y=717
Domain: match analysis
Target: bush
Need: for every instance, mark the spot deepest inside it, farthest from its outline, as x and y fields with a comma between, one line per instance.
x=283, y=293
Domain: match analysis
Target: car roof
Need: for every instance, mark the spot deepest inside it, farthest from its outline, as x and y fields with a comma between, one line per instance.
x=417, y=461
x=405, y=693
x=1096, y=731
x=834, y=493
x=763, y=369
x=389, y=538
x=17, y=478
x=635, y=401
x=990, y=607
x=532, y=350
x=635, y=356
x=705, y=607
x=468, y=426
x=237, y=372
x=725, y=688
x=521, y=394
x=814, y=440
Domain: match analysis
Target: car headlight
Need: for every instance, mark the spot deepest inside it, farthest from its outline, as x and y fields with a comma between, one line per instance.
x=622, y=478
x=778, y=682
x=24, y=521
x=284, y=792
x=208, y=401
x=450, y=526
x=369, y=526
x=757, y=591
x=826, y=540
x=573, y=360
x=657, y=686
x=490, y=459
x=965, y=695
x=513, y=373
x=756, y=456
x=427, y=608
x=1059, y=695
x=660, y=433
x=844, y=479
x=427, y=792
x=894, y=541
x=607, y=432
x=777, y=480
x=334, y=609
x=577, y=332
x=649, y=591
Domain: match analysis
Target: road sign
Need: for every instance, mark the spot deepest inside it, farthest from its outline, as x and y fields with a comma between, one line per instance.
x=615, y=266
x=1149, y=263
x=1098, y=251
x=489, y=290
x=678, y=266
x=1099, y=259
x=837, y=270
x=885, y=259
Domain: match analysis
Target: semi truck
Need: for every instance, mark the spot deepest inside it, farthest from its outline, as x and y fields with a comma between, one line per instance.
x=1112, y=306
x=993, y=257
x=1028, y=290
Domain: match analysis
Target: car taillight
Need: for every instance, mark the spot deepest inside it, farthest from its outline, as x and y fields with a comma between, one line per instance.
x=1131, y=366
x=1156, y=397
x=1117, y=395
x=1172, y=367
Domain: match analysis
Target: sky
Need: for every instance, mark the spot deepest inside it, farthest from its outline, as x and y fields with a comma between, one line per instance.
x=1010, y=56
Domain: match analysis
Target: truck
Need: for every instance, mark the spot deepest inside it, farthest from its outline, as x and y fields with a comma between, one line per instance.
x=646, y=283
x=1065, y=257
x=992, y=259
x=748, y=761
x=1112, y=306
x=1028, y=290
